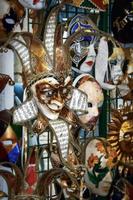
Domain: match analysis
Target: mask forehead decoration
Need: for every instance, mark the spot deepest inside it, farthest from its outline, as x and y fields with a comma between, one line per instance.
x=90, y=86
x=120, y=134
x=100, y=159
x=33, y=4
x=11, y=14
x=31, y=53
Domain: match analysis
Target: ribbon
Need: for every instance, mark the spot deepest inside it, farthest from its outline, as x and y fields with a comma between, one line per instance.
x=27, y=111
x=78, y=102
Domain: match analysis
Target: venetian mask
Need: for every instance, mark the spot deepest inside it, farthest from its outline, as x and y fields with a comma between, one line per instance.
x=116, y=61
x=50, y=94
x=11, y=14
x=88, y=85
x=82, y=50
x=33, y=4
x=121, y=134
x=100, y=160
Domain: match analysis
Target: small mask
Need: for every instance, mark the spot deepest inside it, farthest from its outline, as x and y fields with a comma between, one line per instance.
x=33, y=4
x=116, y=61
x=11, y=13
x=100, y=159
x=51, y=94
x=88, y=85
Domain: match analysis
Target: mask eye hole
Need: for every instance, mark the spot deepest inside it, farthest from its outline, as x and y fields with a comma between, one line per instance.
x=127, y=136
x=113, y=62
x=89, y=104
x=48, y=93
x=84, y=43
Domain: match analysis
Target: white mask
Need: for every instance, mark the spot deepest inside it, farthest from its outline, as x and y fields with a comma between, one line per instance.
x=87, y=84
x=100, y=159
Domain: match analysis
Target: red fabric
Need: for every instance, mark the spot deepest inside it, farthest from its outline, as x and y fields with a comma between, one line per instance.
x=31, y=175
x=99, y=4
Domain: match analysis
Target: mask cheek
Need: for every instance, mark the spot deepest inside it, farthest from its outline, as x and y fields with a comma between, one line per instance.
x=90, y=119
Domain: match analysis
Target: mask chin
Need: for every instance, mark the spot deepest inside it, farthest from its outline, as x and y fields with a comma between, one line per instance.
x=47, y=111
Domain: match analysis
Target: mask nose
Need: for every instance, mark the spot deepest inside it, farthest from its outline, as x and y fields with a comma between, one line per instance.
x=95, y=111
x=57, y=97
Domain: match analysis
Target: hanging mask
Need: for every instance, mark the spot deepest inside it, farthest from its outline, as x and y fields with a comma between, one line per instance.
x=88, y=85
x=11, y=14
x=82, y=49
x=116, y=61
x=100, y=160
x=50, y=94
x=33, y=4
x=121, y=134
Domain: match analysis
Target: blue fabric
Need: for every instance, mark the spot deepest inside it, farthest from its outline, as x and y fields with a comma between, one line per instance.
x=13, y=155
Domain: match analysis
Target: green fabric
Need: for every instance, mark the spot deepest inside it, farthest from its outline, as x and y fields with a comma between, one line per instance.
x=17, y=129
x=87, y=4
